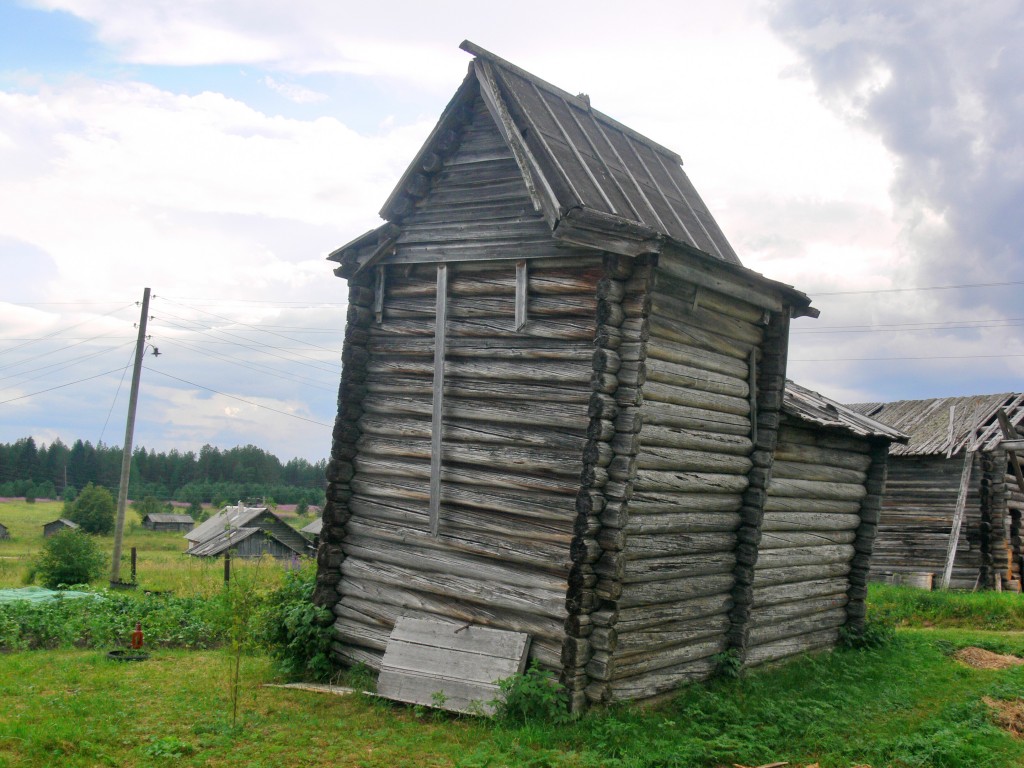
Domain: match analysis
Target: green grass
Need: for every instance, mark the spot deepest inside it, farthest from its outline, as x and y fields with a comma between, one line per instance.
x=909, y=704
x=162, y=566
x=909, y=607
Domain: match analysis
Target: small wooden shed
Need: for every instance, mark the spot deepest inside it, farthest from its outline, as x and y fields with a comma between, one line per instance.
x=952, y=482
x=560, y=408
x=235, y=527
x=162, y=521
x=818, y=531
x=58, y=525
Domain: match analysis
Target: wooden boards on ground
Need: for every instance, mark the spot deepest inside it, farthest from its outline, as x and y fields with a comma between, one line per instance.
x=449, y=666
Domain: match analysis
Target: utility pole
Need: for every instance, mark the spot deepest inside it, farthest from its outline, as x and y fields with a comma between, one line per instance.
x=129, y=433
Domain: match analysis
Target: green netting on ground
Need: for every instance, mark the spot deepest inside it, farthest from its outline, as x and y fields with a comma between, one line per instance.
x=40, y=595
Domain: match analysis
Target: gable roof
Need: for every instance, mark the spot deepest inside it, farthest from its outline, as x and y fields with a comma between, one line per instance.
x=166, y=517
x=314, y=528
x=813, y=407
x=229, y=517
x=947, y=425
x=596, y=182
x=65, y=521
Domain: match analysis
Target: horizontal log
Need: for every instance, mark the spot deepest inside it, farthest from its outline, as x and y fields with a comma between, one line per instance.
x=670, y=634
x=552, y=415
x=386, y=603
x=662, y=682
x=674, y=590
x=655, y=436
x=814, y=489
x=411, y=468
x=638, y=617
x=689, y=482
x=792, y=646
x=514, y=459
x=797, y=573
x=414, y=552
x=785, y=504
x=678, y=375
x=489, y=349
x=474, y=432
x=672, y=567
x=498, y=328
x=379, y=385
x=468, y=589
x=694, y=398
x=782, y=539
x=815, y=521
x=559, y=372
x=792, y=470
x=682, y=522
x=549, y=533
x=494, y=307
x=710, y=276
x=641, y=545
x=824, y=554
x=668, y=284
x=674, y=351
x=679, y=310
x=808, y=454
x=671, y=415
x=781, y=613
x=667, y=330
x=651, y=457
x=604, y=667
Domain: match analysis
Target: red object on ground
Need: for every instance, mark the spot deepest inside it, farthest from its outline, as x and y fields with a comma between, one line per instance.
x=137, y=636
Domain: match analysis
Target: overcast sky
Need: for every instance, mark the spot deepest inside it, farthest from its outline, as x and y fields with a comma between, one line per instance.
x=218, y=151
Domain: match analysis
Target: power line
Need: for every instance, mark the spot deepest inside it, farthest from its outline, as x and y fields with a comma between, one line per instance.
x=59, y=386
x=219, y=302
x=926, y=288
x=61, y=365
x=923, y=357
x=61, y=330
x=248, y=325
x=239, y=399
x=911, y=327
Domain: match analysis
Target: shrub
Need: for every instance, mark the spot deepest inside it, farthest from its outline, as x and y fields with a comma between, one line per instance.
x=69, y=557
x=296, y=632
x=94, y=509
x=534, y=695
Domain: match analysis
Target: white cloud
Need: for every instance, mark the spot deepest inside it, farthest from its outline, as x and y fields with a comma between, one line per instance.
x=293, y=92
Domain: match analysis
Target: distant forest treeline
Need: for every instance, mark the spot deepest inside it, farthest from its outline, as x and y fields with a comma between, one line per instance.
x=246, y=473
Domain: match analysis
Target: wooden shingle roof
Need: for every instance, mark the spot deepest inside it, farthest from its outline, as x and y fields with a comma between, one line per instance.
x=947, y=425
x=815, y=408
x=167, y=517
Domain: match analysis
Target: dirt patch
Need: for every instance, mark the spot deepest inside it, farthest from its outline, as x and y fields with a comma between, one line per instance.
x=979, y=658
x=1009, y=715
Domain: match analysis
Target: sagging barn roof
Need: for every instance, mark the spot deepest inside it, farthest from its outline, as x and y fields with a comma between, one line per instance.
x=947, y=425
x=229, y=517
x=164, y=517
x=596, y=182
x=813, y=407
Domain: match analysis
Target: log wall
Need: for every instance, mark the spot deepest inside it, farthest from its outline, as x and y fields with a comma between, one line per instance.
x=515, y=418
x=669, y=537
x=810, y=527
x=917, y=515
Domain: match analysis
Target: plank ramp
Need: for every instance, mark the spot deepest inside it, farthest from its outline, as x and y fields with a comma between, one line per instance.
x=449, y=666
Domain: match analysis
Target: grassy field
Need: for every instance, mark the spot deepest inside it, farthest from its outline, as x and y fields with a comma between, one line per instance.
x=161, y=564
x=908, y=703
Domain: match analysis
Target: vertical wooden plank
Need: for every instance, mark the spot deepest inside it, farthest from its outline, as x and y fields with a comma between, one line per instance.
x=958, y=518
x=1009, y=433
x=522, y=282
x=752, y=386
x=440, y=327
x=378, y=294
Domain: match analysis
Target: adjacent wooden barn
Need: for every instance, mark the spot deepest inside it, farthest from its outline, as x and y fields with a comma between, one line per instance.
x=560, y=403
x=161, y=521
x=248, y=531
x=60, y=524
x=951, y=482
x=820, y=518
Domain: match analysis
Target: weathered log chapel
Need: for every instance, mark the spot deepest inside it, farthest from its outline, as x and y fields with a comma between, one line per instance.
x=560, y=409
